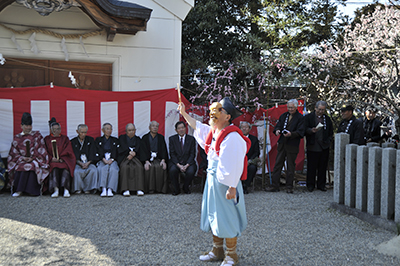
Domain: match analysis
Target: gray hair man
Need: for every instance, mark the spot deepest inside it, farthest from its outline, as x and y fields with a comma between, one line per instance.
x=107, y=167
x=156, y=160
x=130, y=160
x=85, y=173
x=290, y=129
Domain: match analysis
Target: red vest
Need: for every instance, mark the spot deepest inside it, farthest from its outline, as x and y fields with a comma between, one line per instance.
x=221, y=136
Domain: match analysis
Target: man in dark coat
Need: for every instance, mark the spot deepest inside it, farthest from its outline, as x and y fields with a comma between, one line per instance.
x=252, y=155
x=85, y=174
x=156, y=160
x=182, y=152
x=319, y=133
x=351, y=125
x=130, y=160
x=107, y=167
x=290, y=127
x=372, y=126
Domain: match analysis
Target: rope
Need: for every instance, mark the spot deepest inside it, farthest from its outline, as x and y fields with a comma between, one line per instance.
x=58, y=69
x=54, y=34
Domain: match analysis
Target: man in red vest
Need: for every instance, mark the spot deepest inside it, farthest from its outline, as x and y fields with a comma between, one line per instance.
x=223, y=209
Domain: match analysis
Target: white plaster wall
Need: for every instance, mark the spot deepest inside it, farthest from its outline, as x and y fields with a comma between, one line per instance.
x=146, y=61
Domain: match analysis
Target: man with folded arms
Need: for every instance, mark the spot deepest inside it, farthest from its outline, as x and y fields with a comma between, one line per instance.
x=156, y=160
x=130, y=160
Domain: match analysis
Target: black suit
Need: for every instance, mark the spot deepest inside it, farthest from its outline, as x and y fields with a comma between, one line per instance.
x=183, y=157
x=254, y=152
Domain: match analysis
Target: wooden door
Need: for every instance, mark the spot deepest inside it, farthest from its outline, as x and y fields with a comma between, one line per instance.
x=29, y=72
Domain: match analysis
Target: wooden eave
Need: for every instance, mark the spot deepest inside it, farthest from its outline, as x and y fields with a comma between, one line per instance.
x=113, y=15
x=5, y=3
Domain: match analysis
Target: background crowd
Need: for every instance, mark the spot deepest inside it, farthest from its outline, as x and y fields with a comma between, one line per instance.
x=129, y=164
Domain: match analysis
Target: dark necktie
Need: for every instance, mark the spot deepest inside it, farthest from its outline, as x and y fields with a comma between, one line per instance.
x=181, y=143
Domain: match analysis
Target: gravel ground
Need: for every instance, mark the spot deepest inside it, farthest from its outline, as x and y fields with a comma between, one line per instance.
x=283, y=229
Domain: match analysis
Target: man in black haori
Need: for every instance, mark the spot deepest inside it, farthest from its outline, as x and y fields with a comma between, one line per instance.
x=372, y=126
x=107, y=167
x=156, y=160
x=85, y=174
x=319, y=134
x=351, y=125
x=130, y=160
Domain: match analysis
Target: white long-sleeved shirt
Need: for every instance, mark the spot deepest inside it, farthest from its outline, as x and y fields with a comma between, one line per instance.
x=231, y=154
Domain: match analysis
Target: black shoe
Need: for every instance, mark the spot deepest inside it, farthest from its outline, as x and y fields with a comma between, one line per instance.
x=175, y=194
x=245, y=191
x=289, y=190
x=187, y=191
x=322, y=189
x=310, y=189
x=271, y=189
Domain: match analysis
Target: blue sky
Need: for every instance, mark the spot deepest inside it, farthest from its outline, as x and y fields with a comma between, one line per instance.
x=352, y=5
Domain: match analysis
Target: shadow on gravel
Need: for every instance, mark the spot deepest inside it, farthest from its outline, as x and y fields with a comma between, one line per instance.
x=156, y=229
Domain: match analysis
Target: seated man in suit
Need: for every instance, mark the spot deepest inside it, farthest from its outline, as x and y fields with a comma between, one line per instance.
x=85, y=174
x=182, y=152
x=107, y=167
x=130, y=160
x=156, y=160
x=252, y=155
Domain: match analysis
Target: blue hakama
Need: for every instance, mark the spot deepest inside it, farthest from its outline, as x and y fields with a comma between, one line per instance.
x=223, y=217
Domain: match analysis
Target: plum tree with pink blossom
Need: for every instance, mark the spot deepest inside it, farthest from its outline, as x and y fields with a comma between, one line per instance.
x=231, y=82
x=362, y=67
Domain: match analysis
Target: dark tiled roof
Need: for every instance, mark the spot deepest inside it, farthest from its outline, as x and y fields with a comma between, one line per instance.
x=115, y=16
x=125, y=9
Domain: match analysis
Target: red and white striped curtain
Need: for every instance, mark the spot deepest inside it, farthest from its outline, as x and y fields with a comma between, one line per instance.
x=75, y=106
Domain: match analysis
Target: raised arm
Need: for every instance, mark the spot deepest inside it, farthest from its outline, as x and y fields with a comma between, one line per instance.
x=190, y=120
